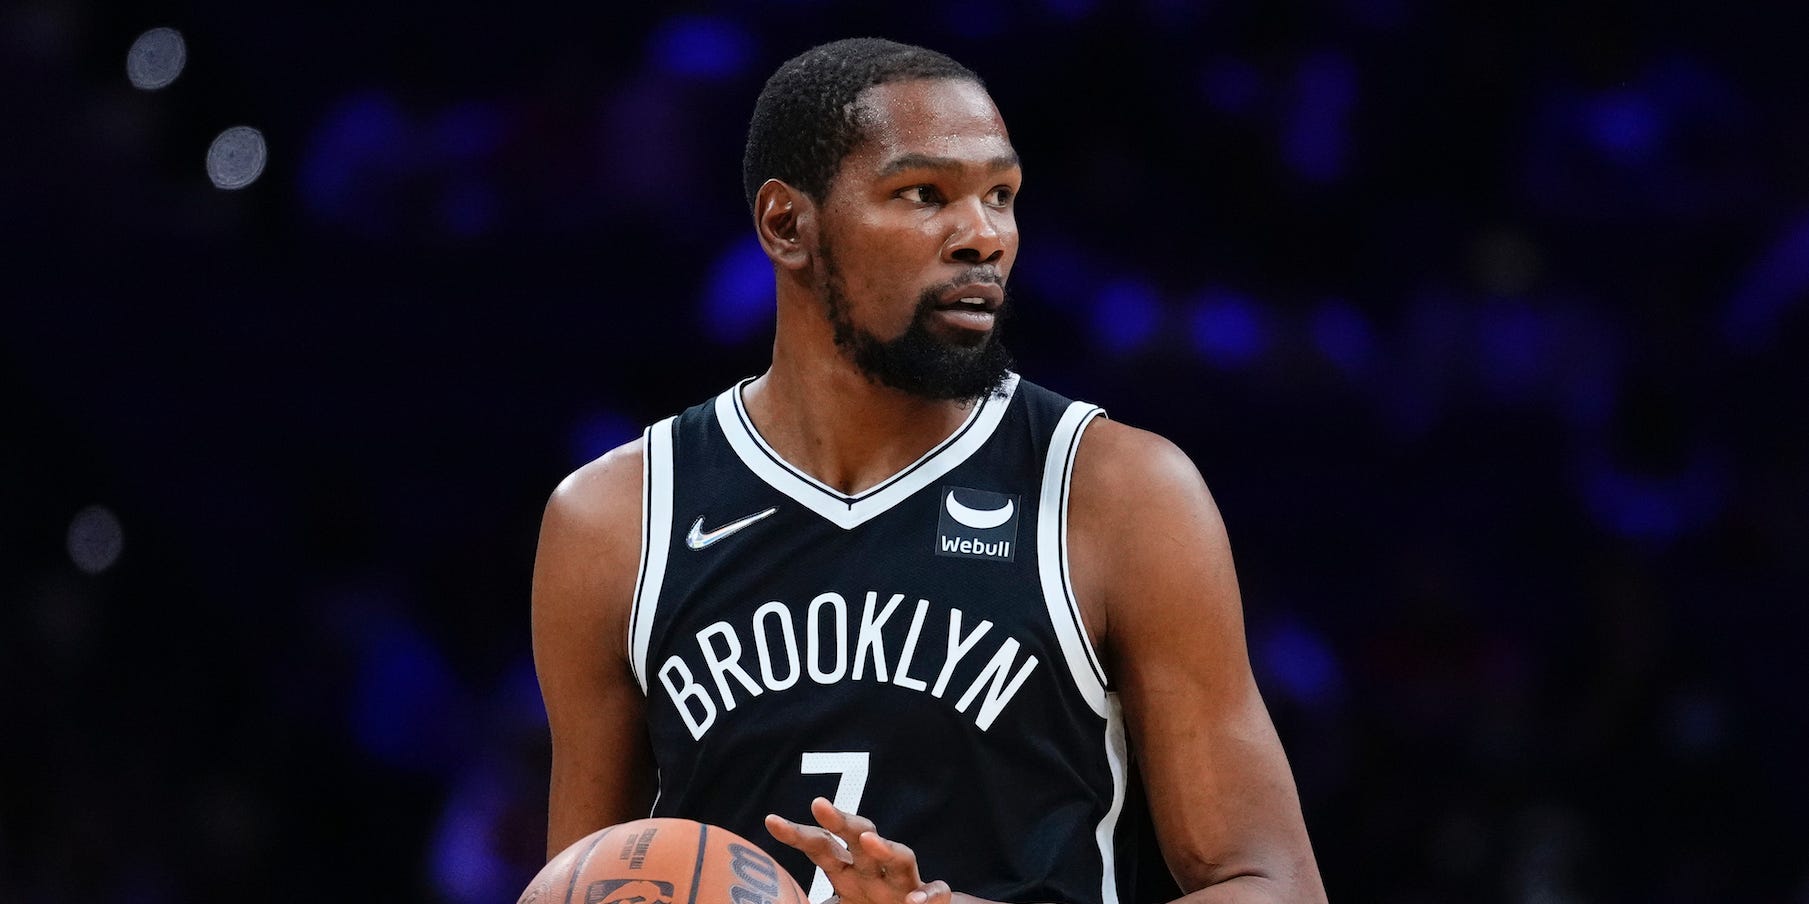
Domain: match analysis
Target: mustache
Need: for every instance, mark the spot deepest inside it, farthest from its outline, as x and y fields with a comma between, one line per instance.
x=977, y=274
x=931, y=296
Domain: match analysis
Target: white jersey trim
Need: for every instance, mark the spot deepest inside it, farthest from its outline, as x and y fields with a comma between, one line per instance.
x=1052, y=555
x=841, y=509
x=1108, y=826
x=656, y=540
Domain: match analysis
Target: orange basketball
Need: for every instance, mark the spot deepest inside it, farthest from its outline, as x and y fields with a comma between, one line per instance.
x=662, y=861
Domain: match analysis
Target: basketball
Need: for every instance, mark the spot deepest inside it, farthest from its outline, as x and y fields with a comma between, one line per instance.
x=662, y=861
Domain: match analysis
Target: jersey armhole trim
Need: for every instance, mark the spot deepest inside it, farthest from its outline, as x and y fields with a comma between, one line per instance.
x=1052, y=556
x=656, y=541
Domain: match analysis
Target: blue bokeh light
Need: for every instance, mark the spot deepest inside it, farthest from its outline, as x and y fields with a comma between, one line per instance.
x=598, y=432
x=404, y=699
x=1126, y=315
x=1625, y=125
x=1633, y=508
x=1229, y=329
x=1301, y=663
x=1656, y=509
x=1514, y=349
x=707, y=47
x=1343, y=336
x=463, y=856
x=363, y=142
x=1063, y=274
x=737, y=304
x=1779, y=280
x=1315, y=139
x=467, y=131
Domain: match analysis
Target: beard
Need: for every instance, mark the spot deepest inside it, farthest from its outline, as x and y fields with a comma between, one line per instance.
x=918, y=361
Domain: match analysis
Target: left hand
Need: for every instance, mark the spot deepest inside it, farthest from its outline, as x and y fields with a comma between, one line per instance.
x=862, y=867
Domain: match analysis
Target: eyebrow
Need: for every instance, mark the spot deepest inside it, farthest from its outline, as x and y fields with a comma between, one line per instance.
x=947, y=164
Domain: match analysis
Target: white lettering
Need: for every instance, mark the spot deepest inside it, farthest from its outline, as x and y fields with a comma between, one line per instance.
x=870, y=639
x=690, y=689
x=813, y=627
x=729, y=663
x=790, y=636
x=957, y=648
x=999, y=693
x=903, y=679
x=973, y=547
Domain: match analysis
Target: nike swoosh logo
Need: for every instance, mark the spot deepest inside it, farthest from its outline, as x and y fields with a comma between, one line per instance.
x=699, y=538
x=978, y=519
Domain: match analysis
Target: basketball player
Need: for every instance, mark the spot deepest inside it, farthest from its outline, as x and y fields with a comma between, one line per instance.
x=893, y=582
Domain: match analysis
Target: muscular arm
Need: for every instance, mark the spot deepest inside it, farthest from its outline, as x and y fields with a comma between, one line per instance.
x=584, y=572
x=1152, y=568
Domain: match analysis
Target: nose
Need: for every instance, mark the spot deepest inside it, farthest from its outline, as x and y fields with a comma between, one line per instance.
x=980, y=234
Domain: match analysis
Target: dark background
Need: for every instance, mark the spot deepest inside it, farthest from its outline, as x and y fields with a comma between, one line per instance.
x=1484, y=322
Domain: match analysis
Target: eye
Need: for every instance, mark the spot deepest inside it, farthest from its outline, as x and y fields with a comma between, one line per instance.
x=1001, y=197
x=922, y=194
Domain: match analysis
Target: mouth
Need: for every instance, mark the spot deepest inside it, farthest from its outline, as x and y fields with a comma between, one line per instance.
x=974, y=306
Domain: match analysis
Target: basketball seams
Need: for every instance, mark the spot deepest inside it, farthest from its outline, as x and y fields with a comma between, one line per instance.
x=578, y=868
x=703, y=852
x=649, y=867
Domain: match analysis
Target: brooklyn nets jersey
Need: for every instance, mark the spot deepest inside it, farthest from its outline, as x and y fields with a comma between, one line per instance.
x=913, y=653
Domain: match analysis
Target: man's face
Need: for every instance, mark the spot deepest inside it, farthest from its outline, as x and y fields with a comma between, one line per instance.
x=918, y=236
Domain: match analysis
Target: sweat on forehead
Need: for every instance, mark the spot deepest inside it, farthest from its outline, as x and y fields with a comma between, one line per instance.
x=808, y=118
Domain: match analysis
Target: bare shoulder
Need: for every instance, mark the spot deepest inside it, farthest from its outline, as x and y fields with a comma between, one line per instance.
x=1141, y=488
x=590, y=547
x=1145, y=535
x=599, y=493
x=1121, y=461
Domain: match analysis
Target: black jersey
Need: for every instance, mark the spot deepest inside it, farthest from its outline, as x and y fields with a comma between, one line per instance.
x=913, y=653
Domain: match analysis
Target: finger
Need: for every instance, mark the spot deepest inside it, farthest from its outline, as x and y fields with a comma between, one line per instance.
x=823, y=848
x=894, y=861
x=846, y=826
x=936, y=892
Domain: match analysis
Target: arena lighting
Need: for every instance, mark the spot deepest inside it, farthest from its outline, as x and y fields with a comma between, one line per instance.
x=156, y=59
x=1343, y=336
x=236, y=158
x=1126, y=315
x=706, y=47
x=95, y=539
x=737, y=303
x=1315, y=137
x=596, y=432
x=1229, y=329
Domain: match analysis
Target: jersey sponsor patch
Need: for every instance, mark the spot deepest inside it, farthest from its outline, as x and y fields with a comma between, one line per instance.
x=977, y=524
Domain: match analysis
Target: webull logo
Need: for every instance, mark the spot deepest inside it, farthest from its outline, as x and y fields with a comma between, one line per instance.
x=977, y=524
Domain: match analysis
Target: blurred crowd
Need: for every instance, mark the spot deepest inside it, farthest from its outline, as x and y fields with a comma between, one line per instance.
x=1485, y=325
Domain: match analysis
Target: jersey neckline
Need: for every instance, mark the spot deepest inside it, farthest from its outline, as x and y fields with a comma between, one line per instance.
x=850, y=511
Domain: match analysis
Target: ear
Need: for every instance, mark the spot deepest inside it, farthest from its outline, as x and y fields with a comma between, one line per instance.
x=785, y=219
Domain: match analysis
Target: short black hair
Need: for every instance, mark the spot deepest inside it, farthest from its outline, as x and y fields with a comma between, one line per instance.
x=804, y=121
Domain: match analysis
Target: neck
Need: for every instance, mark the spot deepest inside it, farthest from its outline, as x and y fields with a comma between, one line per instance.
x=827, y=418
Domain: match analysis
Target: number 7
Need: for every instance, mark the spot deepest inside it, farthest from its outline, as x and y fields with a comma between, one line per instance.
x=852, y=766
